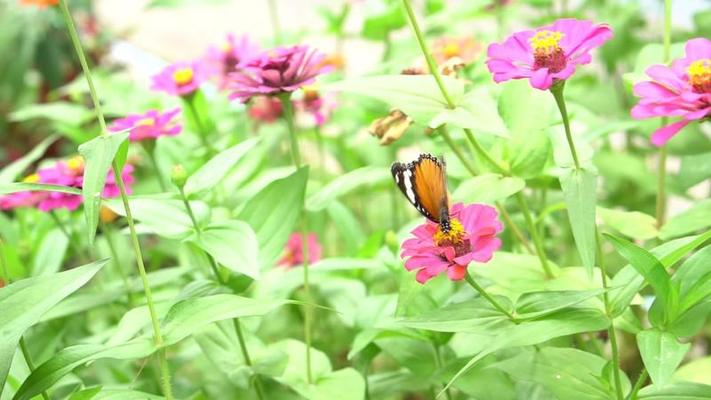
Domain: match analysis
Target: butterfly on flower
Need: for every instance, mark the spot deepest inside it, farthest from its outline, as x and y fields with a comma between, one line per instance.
x=424, y=183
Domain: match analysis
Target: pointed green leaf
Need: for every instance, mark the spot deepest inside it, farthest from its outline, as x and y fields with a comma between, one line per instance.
x=98, y=155
x=692, y=220
x=233, y=244
x=662, y=353
x=7, y=188
x=676, y=391
x=579, y=186
x=213, y=171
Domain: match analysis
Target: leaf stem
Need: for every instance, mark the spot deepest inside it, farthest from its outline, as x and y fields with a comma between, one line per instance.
x=533, y=231
x=638, y=385
x=557, y=91
x=611, y=329
x=158, y=338
x=202, y=130
x=488, y=297
x=662, y=165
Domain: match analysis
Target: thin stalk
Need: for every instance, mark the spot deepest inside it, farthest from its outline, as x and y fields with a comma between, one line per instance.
x=638, y=385
x=611, y=329
x=296, y=158
x=68, y=235
x=158, y=338
x=150, y=150
x=202, y=130
x=507, y=220
x=557, y=91
x=488, y=297
x=662, y=165
x=483, y=153
x=274, y=16
x=537, y=241
x=109, y=235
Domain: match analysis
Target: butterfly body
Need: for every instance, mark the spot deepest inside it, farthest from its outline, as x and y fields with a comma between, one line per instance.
x=424, y=184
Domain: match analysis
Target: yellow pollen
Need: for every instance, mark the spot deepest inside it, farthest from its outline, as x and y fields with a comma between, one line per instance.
x=34, y=178
x=75, y=163
x=545, y=40
x=226, y=47
x=145, y=122
x=451, y=49
x=454, y=236
x=700, y=72
x=183, y=76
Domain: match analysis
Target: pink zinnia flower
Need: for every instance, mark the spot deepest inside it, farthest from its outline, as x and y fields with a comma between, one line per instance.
x=230, y=57
x=313, y=108
x=281, y=70
x=265, y=109
x=472, y=238
x=684, y=90
x=548, y=54
x=149, y=125
x=181, y=79
x=294, y=251
x=21, y=199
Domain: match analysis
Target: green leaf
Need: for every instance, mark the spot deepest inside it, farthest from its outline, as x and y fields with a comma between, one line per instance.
x=98, y=155
x=695, y=218
x=24, y=302
x=694, y=169
x=213, y=171
x=12, y=171
x=698, y=370
x=488, y=188
x=474, y=316
x=60, y=111
x=653, y=272
x=7, y=188
x=627, y=282
x=579, y=192
x=633, y=224
x=273, y=213
x=676, y=391
x=381, y=17
x=476, y=111
x=694, y=279
x=232, y=244
x=344, y=184
x=50, y=254
x=99, y=393
x=418, y=96
x=161, y=215
x=538, y=304
x=662, y=353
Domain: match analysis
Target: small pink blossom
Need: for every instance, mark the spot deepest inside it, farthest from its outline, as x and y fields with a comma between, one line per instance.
x=314, y=109
x=180, y=79
x=294, y=251
x=472, y=238
x=282, y=70
x=265, y=109
x=547, y=54
x=684, y=91
x=232, y=55
x=149, y=125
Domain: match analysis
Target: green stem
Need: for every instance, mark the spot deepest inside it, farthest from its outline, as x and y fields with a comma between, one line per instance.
x=158, y=338
x=202, y=130
x=296, y=158
x=509, y=223
x=483, y=153
x=72, y=242
x=557, y=91
x=150, y=150
x=537, y=241
x=488, y=297
x=274, y=16
x=611, y=329
x=638, y=385
x=662, y=165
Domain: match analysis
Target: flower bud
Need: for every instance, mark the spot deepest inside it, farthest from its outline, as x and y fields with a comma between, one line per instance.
x=178, y=176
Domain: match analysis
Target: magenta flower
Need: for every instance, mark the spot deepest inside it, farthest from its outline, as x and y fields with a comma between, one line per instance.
x=149, y=125
x=684, y=90
x=472, y=238
x=230, y=57
x=180, y=79
x=314, y=109
x=281, y=70
x=294, y=250
x=265, y=109
x=21, y=199
x=548, y=54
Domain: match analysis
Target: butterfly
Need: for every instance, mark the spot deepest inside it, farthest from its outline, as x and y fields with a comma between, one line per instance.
x=424, y=183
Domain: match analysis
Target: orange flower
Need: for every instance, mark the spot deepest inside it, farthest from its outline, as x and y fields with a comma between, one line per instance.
x=465, y=48
x=39, y=3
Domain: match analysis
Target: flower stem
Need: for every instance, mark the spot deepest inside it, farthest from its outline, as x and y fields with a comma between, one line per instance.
x=488, y=297
x=662, y=165
x=202, y=130
x=215, y=269
x=296, y=158
x=158, y=338
x=533, y=231
x=557, y=91
x=643, y=375
x=483, y=153
x=276, y=26
x=611, y=329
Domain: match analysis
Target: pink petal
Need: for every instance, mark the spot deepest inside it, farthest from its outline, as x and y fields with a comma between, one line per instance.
x=541, y=79
x=698, y=48
x=457, y=272
x=662, y=135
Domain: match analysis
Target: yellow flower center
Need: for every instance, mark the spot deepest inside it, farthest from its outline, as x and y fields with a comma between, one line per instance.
x=34, y=178
x=145, y=122
x=700, y=75
x=545, y=40
x=226, y=47
x=183, y=76
x=453, y=237
x=75, y=163
x=451, y=49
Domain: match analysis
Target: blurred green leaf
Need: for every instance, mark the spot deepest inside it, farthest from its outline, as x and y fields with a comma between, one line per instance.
x=382, y=17
x=232, y=244
x=25, y=301
x=62, y=112
x=212, y=172
x=346, y=183
x=15, y=187
x=538, y=304
x=488, y=188
x=162, y=215
x=662, y=353
x=98, y=155
x=579, y=192
x=50, y=254
x=273, y=213
x=476, y=111
x=12, y=171
x=676, y=391
x=633, y=224
x=100, y=393
x=691, y=220
x=694, y=169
